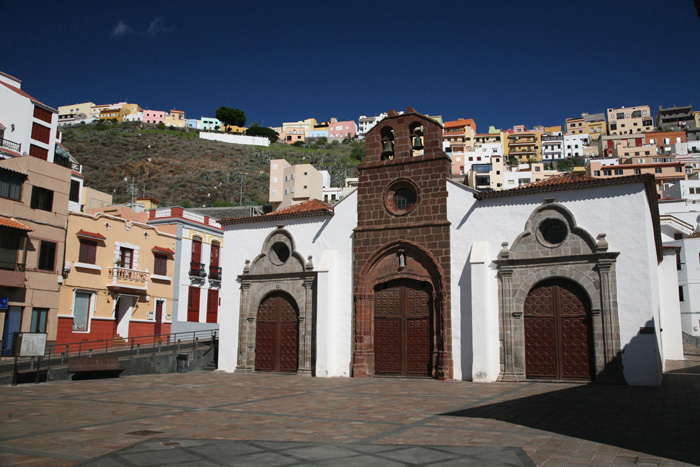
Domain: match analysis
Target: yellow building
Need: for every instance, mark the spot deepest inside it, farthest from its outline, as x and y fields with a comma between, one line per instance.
x=119, y=280
x=128, y=109
x=175, y=118
x=108, y=114
x=525, y=146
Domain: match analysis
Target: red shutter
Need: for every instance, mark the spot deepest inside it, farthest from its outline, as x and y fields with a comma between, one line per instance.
x=212, y=305
x=193, y=305
x=42, y=114
x=214, y=255
x=196, y=250
x=88, y=252
x=41, y=133
x=38, y=152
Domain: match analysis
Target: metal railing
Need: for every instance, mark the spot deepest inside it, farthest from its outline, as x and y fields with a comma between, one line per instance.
x=6, y=143
x=214, y=273
x=59, y=354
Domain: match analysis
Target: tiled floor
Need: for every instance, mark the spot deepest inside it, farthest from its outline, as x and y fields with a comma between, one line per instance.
x=195, y=418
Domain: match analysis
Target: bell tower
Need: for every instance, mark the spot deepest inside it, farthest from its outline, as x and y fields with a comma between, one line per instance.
x=402, y=252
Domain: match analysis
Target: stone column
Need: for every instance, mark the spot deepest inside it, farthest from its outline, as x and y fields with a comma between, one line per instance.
x=246, y=342
x=611, y=370
x=363, y=355
x=510, y=370
x=305, y=327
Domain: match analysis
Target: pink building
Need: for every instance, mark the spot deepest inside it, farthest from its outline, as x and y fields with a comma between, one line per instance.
x=153, y=116
x=341, y=130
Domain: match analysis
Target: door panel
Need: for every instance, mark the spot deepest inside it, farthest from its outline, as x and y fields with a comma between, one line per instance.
x=557, y=332
x=13, y=324
x=277, y=335
x=402, y=329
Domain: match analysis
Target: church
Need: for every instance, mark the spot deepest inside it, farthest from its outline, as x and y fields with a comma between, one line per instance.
x=414, y=275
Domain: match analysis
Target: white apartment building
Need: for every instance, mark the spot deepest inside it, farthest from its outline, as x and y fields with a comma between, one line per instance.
x=574, y=145
x=553, y=147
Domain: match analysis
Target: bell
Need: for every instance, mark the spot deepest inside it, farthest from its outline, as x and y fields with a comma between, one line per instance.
x=388, y=149
x=417, y=143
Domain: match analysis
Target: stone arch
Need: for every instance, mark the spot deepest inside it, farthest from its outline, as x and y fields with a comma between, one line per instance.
x=265, y=275
x=577, y=258
x=401, y=259
x=554, y=272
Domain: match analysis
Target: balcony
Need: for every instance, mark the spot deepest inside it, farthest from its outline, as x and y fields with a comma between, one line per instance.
x=11, y=274
x=197, y=270
x=215, y=273
x=127, y=280
x=11, y=145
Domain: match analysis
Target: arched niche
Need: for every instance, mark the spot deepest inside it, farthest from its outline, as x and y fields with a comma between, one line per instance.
x=279, y=267
x=401, y=261
x=552, y=246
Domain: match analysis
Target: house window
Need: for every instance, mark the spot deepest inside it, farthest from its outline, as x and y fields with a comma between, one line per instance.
x=160, y=266
x=41, y=114
x=658, y=170
x=40, y=153
x=637, y=171
x=618, y=171
x=678, y=236
x=607, y=172
x=11, y=186
x=88, y=251
x=193, y=304
x=680, y=293
x=81, y=311
x=679, y=169
x=47, y=256
x=41, y=133
x=212, y=305
x=42, y=199
x=126, y=256
x=74, y=194
x=39, y=316
x=596, y=173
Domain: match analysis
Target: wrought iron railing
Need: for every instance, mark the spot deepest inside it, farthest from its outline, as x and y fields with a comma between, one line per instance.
x=214, y=273
x=197, y=269
x=6, y=143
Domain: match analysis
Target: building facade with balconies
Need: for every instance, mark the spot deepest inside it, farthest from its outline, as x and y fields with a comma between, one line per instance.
x=525, y=146
x=33, y=210
x=118, y=280
x=198, y=269
x=630, y=120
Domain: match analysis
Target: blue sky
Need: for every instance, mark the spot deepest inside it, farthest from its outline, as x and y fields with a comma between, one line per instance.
x=501, y=62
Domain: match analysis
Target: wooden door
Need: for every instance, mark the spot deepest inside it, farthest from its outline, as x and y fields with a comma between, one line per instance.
x=402, y=329
x=193, y=304
x=277, y=335
x=212, y=305
x=214, y=260
x=196, y=250
x=13, y=324
x=558, y=332
x=158, y=329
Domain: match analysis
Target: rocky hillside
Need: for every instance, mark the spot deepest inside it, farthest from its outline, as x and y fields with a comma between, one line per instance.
x=177, y=168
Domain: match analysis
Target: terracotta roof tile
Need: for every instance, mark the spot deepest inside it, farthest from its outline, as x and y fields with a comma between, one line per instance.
x=84, y=233
x=160, y=249
x=24, y=94
x=311, y=208
x=567, y=181
x=13, y=223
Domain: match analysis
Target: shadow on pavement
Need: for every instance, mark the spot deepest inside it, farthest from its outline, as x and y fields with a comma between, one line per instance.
x=662, y=421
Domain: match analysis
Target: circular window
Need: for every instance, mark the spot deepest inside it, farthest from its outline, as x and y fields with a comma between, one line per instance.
x=279, y=253
x=553, y=231
x=404, y=198
x=401, y=197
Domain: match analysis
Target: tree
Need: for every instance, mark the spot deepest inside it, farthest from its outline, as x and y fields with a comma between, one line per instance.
x=256, y=130
x=230, y=117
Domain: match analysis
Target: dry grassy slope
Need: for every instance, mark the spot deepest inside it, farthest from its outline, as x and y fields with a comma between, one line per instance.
x=177, y=168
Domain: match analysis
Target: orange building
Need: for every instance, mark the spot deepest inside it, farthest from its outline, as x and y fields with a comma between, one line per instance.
x=458, y=138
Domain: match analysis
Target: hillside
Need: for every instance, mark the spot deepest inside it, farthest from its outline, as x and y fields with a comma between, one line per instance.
x=177, y=168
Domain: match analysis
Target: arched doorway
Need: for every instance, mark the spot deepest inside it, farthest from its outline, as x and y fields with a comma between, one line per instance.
x=558, y=332
x=277, y=334
x=402, y=328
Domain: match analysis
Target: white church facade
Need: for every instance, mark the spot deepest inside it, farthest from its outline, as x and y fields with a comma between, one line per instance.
x=414, y=275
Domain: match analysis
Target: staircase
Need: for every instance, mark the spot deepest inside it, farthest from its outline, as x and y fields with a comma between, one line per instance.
x=691, y=345
x=118, y=342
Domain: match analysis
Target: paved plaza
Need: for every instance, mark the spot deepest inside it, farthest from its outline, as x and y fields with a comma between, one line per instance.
x=215, y=418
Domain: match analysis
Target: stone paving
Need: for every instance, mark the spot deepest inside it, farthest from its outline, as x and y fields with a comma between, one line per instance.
x=215, y=418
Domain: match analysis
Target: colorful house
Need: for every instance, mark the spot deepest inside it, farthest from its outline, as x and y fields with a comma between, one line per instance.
x=118, y=281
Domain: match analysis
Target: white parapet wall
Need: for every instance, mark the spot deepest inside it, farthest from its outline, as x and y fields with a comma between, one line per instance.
x=236, y=139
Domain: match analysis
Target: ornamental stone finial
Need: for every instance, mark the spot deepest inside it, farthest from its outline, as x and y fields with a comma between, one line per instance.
x=602, y=244
x=505, y=252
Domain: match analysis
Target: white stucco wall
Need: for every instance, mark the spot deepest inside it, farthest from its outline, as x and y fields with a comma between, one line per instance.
x=329, y=241
x=670, y=317
x=620, y=211
x=236, y=139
